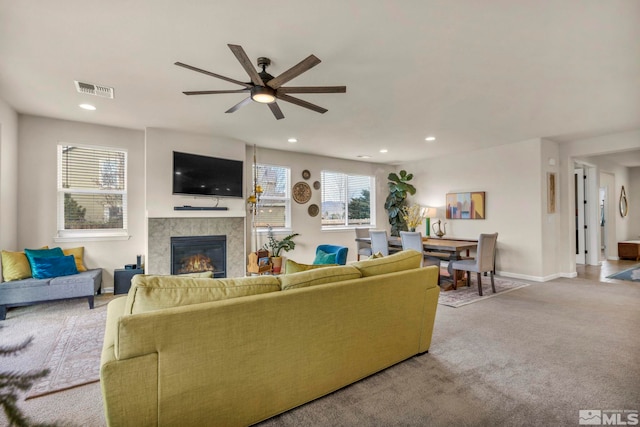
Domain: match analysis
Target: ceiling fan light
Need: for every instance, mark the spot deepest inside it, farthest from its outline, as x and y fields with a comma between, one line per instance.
x=263, y=95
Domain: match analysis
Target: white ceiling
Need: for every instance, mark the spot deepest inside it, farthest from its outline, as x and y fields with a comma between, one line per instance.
x=472, y=73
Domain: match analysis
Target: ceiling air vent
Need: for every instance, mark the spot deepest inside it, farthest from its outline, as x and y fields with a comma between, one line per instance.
x=96, y=90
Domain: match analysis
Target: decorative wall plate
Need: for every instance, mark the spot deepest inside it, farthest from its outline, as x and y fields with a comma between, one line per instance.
x=306, y=174
x=316, y=185
x=313, y=210
x=301, y=192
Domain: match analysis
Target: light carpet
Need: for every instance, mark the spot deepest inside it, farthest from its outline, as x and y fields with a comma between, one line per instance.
x=75, y=357
x=632, y=274
x=467, y=295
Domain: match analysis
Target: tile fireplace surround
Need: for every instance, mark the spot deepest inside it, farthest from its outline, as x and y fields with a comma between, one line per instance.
x=162, y=229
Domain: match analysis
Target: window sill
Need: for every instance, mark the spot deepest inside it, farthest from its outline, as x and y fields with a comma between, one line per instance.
x=347, y=228
x=90, y=237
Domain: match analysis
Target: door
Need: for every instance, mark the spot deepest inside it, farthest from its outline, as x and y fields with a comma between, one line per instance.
x=581, y=235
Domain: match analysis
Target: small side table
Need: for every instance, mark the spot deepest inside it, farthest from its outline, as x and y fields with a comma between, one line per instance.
x=122, y=279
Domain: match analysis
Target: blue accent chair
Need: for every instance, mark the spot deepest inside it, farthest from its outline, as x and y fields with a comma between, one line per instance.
x=340, y=251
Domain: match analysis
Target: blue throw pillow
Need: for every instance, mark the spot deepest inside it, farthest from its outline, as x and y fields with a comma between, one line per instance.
x=53, y=266
x=324, y=258
x=42, y=253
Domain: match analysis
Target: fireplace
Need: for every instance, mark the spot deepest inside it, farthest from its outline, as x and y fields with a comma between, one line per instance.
x=195, y=254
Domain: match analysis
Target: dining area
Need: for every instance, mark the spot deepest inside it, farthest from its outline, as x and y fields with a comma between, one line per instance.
x=461, y=255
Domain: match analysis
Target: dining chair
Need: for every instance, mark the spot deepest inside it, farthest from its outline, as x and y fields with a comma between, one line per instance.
x=413, y=240
x=379, y=242
x=364, y=248
x=484, y=262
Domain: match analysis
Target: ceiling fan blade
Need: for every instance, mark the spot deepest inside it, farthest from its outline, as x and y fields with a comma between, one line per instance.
x=293, y=72
x=313, y=89
x=213, y=92
x=209, y=73
x=239, y=105
x=302, y=103
x=241, y=55
x=275, y=109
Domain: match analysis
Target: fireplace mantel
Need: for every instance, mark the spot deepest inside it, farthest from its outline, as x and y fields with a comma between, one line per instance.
x=162, y=229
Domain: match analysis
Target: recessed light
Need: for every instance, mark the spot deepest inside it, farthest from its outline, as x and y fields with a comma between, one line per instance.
x=384, y=150
x=430, y=138
x=87, y=107
x=363, y=156
x=292, y=140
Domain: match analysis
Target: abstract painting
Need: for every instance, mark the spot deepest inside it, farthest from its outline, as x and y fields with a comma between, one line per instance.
x=466, y=205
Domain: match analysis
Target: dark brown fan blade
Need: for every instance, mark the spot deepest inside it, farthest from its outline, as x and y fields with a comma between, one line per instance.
x=275, y=109
x=293, y=72
x=209, y=73
x=241, y=55
x=302, y=103
x=213, y=92
x=313, y=89
x=239, y=104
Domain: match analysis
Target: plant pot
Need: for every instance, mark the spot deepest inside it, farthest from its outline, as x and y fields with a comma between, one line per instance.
x=276, y=263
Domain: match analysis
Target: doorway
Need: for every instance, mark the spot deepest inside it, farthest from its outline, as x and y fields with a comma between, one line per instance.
x=579, y=180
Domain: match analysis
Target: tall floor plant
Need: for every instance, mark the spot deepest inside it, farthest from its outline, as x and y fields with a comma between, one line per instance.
x=399, y=189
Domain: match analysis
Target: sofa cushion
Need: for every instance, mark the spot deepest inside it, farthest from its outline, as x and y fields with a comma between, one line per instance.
x=53, y=266
x=399, y=261
x=294, y=267
x=42, y=253
x=78, y=255
x=318, y=276
x=150, y=293
x=15, y=266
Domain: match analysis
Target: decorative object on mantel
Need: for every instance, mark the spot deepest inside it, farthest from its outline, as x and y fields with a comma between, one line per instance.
x=301, y=192
x=276, y=246
x=468, y=205
x=624, y=205
x=253, y=200
x=306, y=174
x=399, y=188
x=316, y=185
x=439, y=232
x=313, y=210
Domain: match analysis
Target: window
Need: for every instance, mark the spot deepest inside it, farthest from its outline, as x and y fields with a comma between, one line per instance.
x=92, y=191
x=347, y=200
x=274, y=208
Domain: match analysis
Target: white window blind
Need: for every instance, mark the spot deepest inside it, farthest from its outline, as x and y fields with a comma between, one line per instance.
x=92, y=190
x=275, y=203
x=347, y=200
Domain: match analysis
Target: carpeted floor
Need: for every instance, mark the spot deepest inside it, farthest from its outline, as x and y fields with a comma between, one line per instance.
x=632, y=274
x=534, y=356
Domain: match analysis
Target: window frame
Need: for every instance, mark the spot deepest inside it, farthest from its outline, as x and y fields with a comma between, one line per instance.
x=286, y=199
x=68, y=235
x=372, y=202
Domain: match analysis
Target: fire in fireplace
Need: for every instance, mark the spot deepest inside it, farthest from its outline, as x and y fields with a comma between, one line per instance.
x=195, y=254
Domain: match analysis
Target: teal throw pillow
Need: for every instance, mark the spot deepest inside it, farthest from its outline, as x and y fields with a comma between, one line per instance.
x=324, y=258
x=42, y=253
x=53, y=266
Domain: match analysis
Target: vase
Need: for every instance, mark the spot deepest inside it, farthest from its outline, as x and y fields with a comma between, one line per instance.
x=412, y=229
x=276, y=264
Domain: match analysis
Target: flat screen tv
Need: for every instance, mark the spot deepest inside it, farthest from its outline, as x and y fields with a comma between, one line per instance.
x=206, y=176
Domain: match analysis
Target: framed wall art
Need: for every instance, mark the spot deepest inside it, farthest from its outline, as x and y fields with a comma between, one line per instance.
x=469, y=205
x=551, y=192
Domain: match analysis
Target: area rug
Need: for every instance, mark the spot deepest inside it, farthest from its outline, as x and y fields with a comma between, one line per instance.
x=466, y=295
x=632, y=274
x=75, y=357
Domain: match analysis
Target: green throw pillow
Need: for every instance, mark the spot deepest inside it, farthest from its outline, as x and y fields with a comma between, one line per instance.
x=294, y=267
x=324, y=258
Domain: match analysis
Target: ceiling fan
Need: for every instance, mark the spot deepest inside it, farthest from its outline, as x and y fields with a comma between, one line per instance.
x=266, y=89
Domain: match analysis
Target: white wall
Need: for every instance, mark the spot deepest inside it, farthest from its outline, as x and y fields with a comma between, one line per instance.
x=512, y=178
x=310, y=229
x=8, y=177
x=37, y=198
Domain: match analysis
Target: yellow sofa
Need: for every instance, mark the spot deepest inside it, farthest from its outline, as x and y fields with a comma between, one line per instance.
x=261, y=345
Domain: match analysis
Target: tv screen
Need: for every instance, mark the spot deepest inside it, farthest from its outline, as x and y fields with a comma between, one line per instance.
x=206, y=176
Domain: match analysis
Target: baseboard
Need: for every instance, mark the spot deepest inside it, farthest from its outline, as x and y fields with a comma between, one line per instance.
x=107, y=290
x=536, y=278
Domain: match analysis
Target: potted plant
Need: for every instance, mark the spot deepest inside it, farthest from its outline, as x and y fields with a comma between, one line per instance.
x=276, y=246
x=413, y=216
x=399, y=188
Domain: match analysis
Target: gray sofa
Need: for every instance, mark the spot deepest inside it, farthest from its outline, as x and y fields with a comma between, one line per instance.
x=32, y=291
